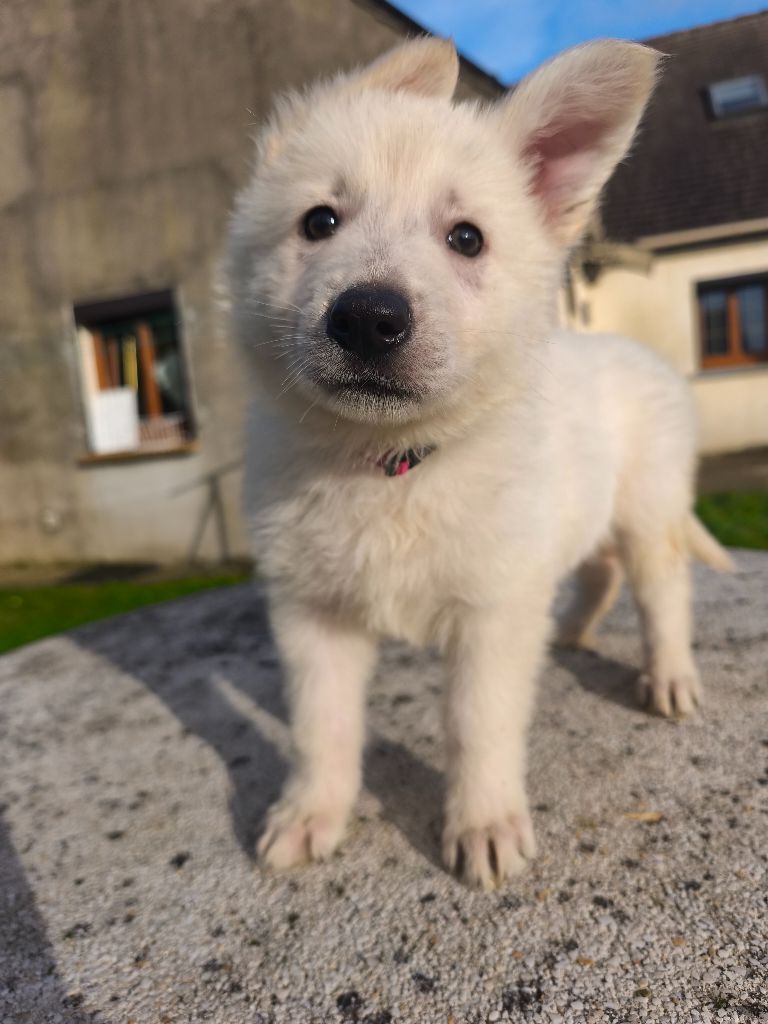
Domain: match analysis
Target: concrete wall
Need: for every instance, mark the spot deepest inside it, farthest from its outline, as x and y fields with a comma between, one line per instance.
x=126, y=131
x=659, y=308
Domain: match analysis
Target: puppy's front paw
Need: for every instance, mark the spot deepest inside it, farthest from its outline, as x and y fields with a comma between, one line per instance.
x=672, y=694
x=487, y=855
x=297, y=832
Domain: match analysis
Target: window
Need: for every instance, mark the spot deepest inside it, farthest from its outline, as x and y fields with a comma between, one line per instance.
x=133, y=374
x=733, y=317
x=737, y=96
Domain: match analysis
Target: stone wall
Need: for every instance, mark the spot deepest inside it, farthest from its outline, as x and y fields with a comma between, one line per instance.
x=126, y=129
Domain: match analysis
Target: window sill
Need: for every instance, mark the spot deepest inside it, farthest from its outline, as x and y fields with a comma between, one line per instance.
x=705, y=373
x=139, y=454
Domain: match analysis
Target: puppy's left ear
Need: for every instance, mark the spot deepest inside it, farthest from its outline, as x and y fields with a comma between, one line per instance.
x=428, y=66
x=573, y=120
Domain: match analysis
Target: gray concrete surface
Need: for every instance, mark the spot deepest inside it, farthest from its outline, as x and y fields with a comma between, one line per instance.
x=136, y=759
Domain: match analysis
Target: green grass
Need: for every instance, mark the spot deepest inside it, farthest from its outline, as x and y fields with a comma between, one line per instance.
x=737, y=519
x=29, y=613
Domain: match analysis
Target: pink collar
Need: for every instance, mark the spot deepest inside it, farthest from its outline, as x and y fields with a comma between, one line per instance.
x=397, y=463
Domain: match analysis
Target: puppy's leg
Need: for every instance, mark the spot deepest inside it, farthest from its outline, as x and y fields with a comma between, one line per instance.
x=597, y=585
x=327, y=665
x=657, y=566
x=493, y=662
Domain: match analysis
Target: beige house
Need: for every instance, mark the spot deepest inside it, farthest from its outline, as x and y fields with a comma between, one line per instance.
x=680, y=258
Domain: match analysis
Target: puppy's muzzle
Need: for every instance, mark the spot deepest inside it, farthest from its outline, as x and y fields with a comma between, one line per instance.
x=369, y=321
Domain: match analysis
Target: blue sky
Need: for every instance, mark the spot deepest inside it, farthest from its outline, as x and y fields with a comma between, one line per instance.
x=509, y=37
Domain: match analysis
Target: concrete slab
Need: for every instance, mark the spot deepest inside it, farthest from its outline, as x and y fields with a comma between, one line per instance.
x=137, y=757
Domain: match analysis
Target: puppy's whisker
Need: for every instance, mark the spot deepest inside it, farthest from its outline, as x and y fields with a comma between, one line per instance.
x=293, y=377
x=275, y=305
x=290, y=346
x=277, y=342
x=290, y=338
x=297, y=359
x=288, y=352
x=309, y=409
x=275, y=339
x=282, y=321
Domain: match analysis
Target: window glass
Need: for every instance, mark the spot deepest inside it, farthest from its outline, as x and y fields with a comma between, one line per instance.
x=714, y=311
x=135, y=384
x=738, y=95
x=751, y=299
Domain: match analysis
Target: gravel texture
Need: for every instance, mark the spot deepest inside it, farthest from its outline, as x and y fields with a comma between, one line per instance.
x=137, y=757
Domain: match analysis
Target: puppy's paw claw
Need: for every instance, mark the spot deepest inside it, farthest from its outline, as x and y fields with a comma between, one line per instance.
x=485, y=857
x=296, y=835
x=673, y=695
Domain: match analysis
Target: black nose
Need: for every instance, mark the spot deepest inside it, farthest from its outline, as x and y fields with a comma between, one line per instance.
x=369, y=321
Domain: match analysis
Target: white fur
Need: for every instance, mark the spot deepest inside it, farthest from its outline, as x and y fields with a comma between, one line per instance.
x=554, y=451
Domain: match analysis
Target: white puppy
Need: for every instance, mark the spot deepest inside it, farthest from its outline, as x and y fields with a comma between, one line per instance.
x=430, y=455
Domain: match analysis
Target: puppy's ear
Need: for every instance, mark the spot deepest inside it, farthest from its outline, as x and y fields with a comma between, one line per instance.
x=573, y=120
x=427, y=66
x=288, y=110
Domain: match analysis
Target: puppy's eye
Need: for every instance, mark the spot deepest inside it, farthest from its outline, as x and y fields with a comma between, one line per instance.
x=465, y=238
x=320, y=222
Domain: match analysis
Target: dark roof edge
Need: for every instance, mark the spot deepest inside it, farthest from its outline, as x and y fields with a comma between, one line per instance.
x=707, y=26
x=723, y=233
x=485, y=82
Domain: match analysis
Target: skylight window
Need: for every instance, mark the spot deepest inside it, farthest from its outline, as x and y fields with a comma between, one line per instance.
x=738, y=96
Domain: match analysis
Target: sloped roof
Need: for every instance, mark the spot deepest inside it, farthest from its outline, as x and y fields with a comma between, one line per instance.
x=688, y=170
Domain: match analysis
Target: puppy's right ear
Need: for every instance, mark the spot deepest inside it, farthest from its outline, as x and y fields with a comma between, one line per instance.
x=427, y=66
x=573, y=120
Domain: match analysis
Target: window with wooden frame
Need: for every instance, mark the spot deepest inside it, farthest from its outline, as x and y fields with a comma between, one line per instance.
x=733, y=322
x=134, y=378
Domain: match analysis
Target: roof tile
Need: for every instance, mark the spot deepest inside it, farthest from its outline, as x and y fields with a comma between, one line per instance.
x=687, y=170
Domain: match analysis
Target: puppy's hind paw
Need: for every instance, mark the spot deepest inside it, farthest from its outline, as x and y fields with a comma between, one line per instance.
x=673, y=695
x=296, y=835
x=485, y=857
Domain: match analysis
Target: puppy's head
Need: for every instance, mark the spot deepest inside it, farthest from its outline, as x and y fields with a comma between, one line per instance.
x=396, y=255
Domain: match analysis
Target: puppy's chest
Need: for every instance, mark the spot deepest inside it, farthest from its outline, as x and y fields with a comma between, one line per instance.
x=376, y=550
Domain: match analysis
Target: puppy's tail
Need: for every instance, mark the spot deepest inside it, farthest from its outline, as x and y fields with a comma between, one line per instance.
x=703, y=546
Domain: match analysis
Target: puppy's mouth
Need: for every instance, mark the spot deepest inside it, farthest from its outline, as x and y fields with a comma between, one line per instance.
x=367, y=394
x=373, y=382
x=367, y=388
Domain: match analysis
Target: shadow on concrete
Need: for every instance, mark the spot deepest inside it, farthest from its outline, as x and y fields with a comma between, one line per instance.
x=30, y=986
x=178, y=651
x=612, y=680
x=410, y=792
